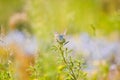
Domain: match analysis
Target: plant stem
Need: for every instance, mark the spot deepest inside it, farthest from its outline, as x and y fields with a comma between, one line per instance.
x=78, y=71
x=71, y=70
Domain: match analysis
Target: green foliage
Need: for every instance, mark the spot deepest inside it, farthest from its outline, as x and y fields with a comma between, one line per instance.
x=6, y=65
x=48, y=16
x=45, y=67
x=73, y=68
x=6, y=75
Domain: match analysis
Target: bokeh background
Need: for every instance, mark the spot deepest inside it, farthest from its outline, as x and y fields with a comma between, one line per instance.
x=93, y=29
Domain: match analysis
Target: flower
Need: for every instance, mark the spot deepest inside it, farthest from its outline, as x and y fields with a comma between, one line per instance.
x=60, y=38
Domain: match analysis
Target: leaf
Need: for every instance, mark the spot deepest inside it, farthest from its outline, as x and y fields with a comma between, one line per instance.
x=66, y=42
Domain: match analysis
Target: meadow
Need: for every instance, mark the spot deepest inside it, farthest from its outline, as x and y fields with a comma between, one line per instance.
x=72, y=40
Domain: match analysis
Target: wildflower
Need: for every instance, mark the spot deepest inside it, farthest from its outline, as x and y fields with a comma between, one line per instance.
x=73, y=71
x=60, y=38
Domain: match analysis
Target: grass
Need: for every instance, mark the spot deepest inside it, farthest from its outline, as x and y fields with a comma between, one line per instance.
x=47, y=17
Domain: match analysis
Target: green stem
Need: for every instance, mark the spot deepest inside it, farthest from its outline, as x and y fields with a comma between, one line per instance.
x=78, y=71
x=62, y=53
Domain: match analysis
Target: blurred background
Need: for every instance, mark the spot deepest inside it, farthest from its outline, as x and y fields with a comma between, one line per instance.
x=93, y=29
